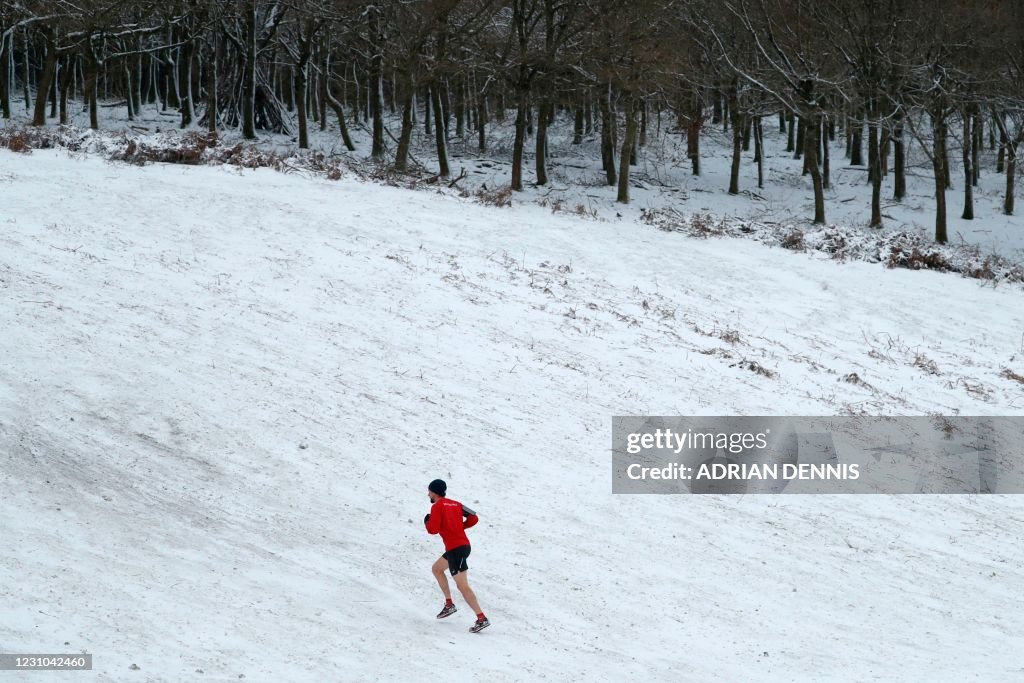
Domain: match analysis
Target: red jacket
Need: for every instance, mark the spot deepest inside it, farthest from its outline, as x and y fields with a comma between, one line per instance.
x=446, y=518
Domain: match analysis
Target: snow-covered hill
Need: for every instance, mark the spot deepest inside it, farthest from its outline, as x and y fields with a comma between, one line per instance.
x=222, y=395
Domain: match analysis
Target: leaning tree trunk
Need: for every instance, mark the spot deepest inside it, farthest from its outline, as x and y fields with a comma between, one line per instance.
x=811, y=133
x=439, y=136
x=339, y=111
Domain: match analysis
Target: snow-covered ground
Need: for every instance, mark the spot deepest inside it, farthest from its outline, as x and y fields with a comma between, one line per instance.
x=662, y=178
x=223, y=392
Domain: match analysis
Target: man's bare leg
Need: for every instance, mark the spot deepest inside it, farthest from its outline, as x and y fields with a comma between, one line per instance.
x=439, y=568
x=462, y=581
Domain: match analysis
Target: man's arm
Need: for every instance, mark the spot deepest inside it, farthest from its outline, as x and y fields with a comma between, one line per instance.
x=471, y=517
x=432, y=521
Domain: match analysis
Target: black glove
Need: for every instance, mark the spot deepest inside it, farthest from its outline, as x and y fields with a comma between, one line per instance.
x=426, y=518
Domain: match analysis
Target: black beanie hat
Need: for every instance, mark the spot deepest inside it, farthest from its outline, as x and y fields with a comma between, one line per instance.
x=438, y=486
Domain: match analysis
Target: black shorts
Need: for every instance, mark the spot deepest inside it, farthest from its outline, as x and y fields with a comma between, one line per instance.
x=457, y=559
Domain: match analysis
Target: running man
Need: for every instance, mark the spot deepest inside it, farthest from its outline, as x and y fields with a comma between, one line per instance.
x=446, y=518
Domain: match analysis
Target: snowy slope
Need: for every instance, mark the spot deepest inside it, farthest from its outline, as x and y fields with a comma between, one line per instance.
x=218, y=417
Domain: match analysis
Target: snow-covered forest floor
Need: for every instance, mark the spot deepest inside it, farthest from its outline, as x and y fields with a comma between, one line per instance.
x=661, y=179
x=223, y=391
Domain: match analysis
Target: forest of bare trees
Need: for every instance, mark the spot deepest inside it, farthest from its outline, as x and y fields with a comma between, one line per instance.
x=945, y=75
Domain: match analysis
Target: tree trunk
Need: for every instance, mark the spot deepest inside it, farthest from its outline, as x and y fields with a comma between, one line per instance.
x=1001, y=154
x=642, y=139
x=66, y=80
x=873, y=166
x=899, y=161
x=481, y=121
x=139, y=75
x=128, y=84
x=608, y=136
x=299, y=83
x=249, y=75
x=428, y=102
x=92, y=89
x=519, y=141
x=460, y=108
x=791, y=133
x=978, y=128
x=540, y=158
x=27, y=70
x=826, y=160
x=801, y=137
x=55, y=88
x=1011, y=168
x=45, y=83
x=627, y=150
x=885, y=139
x=439, y=136
x=875, y=175
x=968, y=158
x=339, y=111
x=376, y=84
x=5, y=70
x=212, y=64
x=446, y=105
x=856, y=145
x=405, y=137
x=737, y=138
x=185, y=71
x=941, y=174
x=811, y=142
x=759, y=150
x=577, y=129
x=693, y=126
x=321, y=89
x=357, y=105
